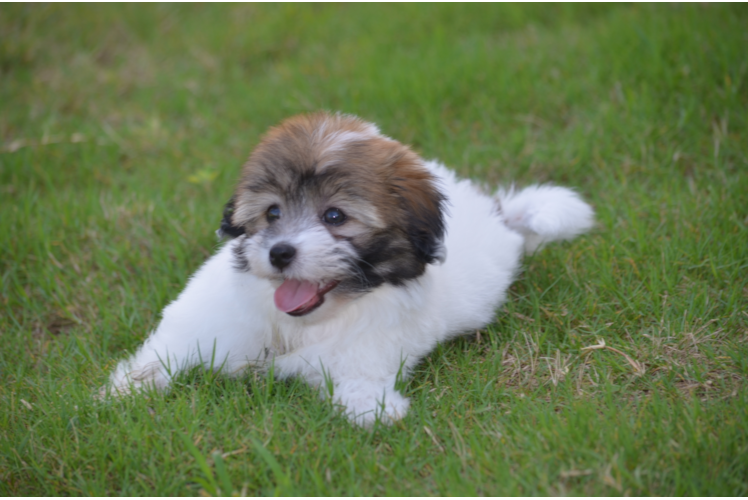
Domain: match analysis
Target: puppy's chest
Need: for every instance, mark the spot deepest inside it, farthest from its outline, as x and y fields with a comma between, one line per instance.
x=287, y=336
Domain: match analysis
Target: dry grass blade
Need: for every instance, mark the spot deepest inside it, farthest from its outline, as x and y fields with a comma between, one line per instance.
x=575, y=473
x=433, y=438
x=639, y=368
x=557, y=367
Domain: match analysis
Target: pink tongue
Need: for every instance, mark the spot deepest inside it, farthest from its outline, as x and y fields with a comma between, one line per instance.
x=293, y=294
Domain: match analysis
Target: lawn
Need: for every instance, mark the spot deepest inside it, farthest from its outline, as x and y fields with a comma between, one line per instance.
x=122, y=131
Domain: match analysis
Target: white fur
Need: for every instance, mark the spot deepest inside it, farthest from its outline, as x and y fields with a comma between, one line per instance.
x=226, y=319
x=544, y=213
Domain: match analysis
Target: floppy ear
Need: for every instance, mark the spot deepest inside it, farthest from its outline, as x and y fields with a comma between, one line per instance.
x=228, y=229
x=423, y=207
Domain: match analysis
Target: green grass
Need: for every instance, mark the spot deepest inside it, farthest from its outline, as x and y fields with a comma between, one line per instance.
x=123, y=128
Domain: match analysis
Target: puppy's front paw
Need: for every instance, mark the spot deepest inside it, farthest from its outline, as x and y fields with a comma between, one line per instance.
x=126, y=380
x=366, y=402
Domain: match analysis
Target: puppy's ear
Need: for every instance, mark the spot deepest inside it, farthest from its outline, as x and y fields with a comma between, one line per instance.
x=423, y=207
x=228, y=229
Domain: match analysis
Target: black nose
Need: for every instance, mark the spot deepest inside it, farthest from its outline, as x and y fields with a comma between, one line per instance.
x=281, y=255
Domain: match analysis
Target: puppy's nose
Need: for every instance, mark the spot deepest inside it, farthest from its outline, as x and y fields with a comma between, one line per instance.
x=281, y=255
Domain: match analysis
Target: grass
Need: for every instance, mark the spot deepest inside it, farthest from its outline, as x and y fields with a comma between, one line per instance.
x=123, y=128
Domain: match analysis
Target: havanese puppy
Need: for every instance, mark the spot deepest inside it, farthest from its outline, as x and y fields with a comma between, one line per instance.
x=349, y=258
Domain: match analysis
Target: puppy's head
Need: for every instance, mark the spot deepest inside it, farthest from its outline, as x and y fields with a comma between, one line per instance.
x=328, y=205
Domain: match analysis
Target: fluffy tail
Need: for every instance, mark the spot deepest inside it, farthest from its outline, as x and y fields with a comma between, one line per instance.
x=544, y=213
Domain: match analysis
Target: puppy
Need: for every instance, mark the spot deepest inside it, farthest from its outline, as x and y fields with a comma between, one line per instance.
x=349, y=258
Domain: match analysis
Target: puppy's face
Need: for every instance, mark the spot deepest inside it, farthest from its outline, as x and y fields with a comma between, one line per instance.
x=327, y=205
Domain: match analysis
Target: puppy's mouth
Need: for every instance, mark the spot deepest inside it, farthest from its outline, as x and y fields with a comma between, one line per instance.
x=300, y=297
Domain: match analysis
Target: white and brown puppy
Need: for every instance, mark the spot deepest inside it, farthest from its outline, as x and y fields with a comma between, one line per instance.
x=350, y=259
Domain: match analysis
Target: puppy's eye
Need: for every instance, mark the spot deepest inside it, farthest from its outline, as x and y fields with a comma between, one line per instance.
x=333, y=216
x=273, y=213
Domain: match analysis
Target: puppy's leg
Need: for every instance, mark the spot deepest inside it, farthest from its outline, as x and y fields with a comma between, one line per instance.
x=215, y=322
x=366, y=400
x=361, y=375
